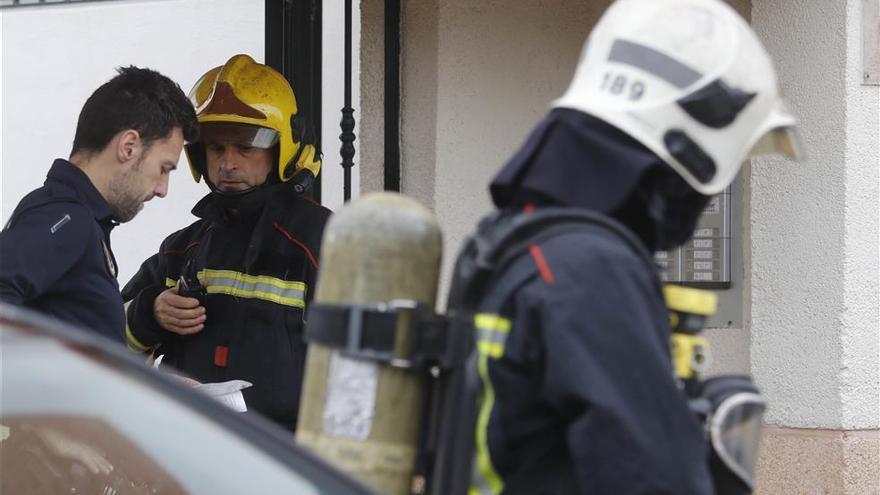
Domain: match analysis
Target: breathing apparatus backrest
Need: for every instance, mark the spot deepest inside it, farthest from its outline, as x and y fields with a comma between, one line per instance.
x=499, y=241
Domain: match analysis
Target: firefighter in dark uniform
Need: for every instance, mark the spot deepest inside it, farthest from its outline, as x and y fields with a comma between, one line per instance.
x=248, y=266
x=56, y=255
x=578, y=394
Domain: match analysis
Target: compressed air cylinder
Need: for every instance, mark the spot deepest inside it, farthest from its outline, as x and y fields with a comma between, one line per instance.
x=362, y=416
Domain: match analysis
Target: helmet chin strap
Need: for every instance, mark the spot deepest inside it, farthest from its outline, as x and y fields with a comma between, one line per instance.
x=230, y=194
x=301, y=179
x=235, y=194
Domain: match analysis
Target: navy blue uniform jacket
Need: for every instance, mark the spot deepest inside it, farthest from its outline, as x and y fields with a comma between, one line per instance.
x=578, y=388
x=55, y=254
x=578, y=391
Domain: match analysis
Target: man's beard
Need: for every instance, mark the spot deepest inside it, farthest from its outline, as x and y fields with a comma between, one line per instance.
x=124, y=196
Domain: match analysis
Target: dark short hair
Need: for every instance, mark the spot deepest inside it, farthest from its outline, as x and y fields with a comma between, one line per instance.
x=139, y=99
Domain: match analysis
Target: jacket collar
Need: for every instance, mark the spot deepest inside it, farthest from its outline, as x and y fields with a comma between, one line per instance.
x=248, y=207
x=72, y=176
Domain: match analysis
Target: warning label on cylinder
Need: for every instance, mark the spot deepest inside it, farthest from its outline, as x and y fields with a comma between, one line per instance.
x=351, y=397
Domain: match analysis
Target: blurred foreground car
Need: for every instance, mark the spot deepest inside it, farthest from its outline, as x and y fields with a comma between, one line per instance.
x=80, y=416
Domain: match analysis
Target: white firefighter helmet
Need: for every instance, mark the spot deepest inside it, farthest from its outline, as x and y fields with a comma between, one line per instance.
x=690, y=80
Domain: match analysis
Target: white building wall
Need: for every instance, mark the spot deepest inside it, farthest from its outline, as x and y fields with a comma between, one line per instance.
x=815, y=227
x=475, y=79
x=53, y=57
x=860, y=339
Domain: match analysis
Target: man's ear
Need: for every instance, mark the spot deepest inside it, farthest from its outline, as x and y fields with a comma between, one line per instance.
x=128, y=145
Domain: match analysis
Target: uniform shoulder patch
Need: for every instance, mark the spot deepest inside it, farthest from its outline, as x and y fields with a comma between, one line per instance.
x=64, y=220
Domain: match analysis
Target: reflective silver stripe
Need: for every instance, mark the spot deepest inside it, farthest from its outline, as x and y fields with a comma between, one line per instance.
x=491, y=336
x=653, y=62
x=288, y=293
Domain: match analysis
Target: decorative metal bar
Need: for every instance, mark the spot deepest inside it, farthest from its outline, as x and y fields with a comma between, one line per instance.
x=347, y=123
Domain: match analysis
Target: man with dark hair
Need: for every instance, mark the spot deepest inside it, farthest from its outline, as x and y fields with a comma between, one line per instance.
x=56, y=255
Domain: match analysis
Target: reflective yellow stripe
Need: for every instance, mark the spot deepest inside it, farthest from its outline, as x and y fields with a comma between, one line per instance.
x=490, y=349
x=170, y=283
x=485, y=321
x=133, y=343
x=492, y=332
x=486, y=480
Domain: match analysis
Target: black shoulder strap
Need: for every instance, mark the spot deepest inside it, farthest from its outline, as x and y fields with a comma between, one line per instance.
x=499, y=241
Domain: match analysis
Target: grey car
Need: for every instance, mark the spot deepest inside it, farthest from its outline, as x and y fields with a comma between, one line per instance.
x=80, y=415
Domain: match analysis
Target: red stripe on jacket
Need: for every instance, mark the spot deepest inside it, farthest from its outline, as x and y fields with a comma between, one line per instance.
x=299, y=243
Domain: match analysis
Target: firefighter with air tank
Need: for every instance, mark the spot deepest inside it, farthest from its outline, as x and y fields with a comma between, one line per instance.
x=552, y=370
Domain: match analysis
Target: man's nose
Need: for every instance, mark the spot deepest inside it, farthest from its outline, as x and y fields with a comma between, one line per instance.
x=228, y=159
x=162, y=188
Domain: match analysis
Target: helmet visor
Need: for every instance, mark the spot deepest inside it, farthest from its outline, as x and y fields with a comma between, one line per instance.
x=780, y=141
x=735, y=429
x=250, y=136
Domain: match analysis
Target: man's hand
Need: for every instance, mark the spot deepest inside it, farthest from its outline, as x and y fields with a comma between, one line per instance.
x=178, y=314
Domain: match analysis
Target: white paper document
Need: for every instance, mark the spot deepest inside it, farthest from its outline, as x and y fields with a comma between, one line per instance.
x=228, y=393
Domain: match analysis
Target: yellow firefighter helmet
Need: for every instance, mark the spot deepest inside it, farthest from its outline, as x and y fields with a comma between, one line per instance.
x=257, y=103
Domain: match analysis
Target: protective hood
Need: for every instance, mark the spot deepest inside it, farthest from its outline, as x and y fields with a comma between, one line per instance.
x=574, y=159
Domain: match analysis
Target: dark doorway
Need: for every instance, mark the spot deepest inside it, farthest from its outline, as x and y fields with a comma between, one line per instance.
x=293, y=47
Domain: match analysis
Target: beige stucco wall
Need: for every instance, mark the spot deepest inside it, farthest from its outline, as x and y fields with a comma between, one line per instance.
x=500, y=64
x=475, y=78
x=370, y=140
x=813, y=461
